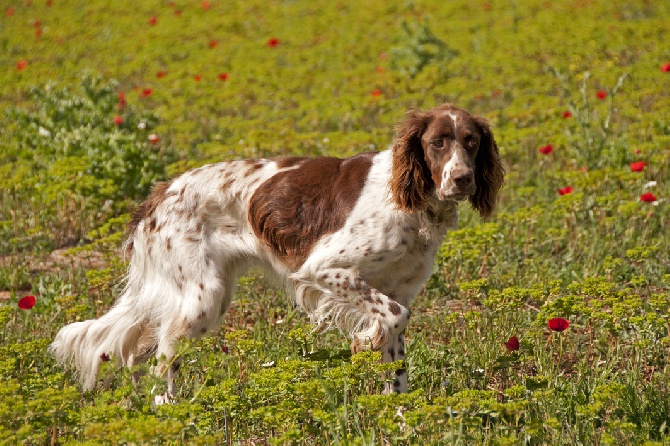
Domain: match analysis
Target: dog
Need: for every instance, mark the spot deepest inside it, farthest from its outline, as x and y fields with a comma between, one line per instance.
x=353, y=240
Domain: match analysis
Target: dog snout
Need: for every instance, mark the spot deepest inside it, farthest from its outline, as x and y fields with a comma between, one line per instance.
x=464, y=179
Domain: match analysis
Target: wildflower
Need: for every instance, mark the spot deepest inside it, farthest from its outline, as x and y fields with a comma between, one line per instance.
x=648, y=197
x=213, y=43
x=565, y=190
x=21, y=65
x=122, y=99
x=379, y=70
x=104, y=357
x=512, y=344
x=37, y=24
x=27, y=302
x=273, y=42
x=9, y=12
x=376, y=93
x=205, y=5
x=650, y=184
x=546, y=150
x=225, y=349
x=601, y=94
x=177, y=13
x=665, y=67
x=142, y=125
x=153, y=20
x=223, y=76
x=567, y=114
x=118, y=120
x=38, y=33
x=197, y=77
x=153, y=138
x=637, y=166
x=161, y=74
x=43, y=132
x=558, y=324
x=146, y=92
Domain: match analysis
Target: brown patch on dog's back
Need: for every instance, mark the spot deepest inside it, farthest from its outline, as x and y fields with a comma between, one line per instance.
x=288, y=161
x=158, y=194
x=293, y=209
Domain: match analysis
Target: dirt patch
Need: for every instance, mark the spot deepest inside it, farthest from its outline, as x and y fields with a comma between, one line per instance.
x=58, y=259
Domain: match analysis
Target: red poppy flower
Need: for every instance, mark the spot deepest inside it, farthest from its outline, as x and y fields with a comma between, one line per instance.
x=225, y=349
x=104, y=357
x=567, y=114
x=213, y=43
x=223, y=76
x=197, y=77
x=9, y=12
x=177, y=13
x=161, y=74
x=205, y=5
x=153, y=138
x=376, y=93
x=49, y=3
x=546, y=150
x=146, y=92
x=558, y=324
x=153, y=21
x=512, y=344
x=648, y=197
x=21, y=65
x=27, y=302
x=36, y=24
x=637, y=166
x=601, y=94
x=565, y=190
x=118, y=120
x=273, y=42
x=122, y=99
x=665, y=68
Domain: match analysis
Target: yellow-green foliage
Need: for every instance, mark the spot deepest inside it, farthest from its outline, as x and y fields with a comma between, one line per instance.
x=337, y=79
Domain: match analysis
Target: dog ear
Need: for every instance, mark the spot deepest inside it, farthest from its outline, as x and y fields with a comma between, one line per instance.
x=489, y=171
x=410, y=177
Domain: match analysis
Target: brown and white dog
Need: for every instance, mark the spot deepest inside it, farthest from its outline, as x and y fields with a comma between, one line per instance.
x=352, y=239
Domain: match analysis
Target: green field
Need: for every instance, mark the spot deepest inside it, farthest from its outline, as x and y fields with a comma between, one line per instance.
x=103, y=99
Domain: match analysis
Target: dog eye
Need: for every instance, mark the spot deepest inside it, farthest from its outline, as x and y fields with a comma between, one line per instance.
x=472, y=143
x=438, y=143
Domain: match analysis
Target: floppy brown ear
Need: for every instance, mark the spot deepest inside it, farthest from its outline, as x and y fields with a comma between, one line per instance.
x=489, y=172
x=410, y=178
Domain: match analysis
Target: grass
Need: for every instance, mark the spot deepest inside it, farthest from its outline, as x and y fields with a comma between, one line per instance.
x=338, y=78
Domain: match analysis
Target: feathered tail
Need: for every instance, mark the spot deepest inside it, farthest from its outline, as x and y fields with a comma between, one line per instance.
x=117, y=335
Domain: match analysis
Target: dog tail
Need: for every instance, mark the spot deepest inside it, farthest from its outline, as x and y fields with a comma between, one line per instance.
x=86, y=344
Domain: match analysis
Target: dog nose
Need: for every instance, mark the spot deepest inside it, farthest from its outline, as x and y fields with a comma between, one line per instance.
x=463, y=178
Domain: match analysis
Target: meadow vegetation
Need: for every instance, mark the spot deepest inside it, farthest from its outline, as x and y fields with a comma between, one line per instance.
x=103, y=99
